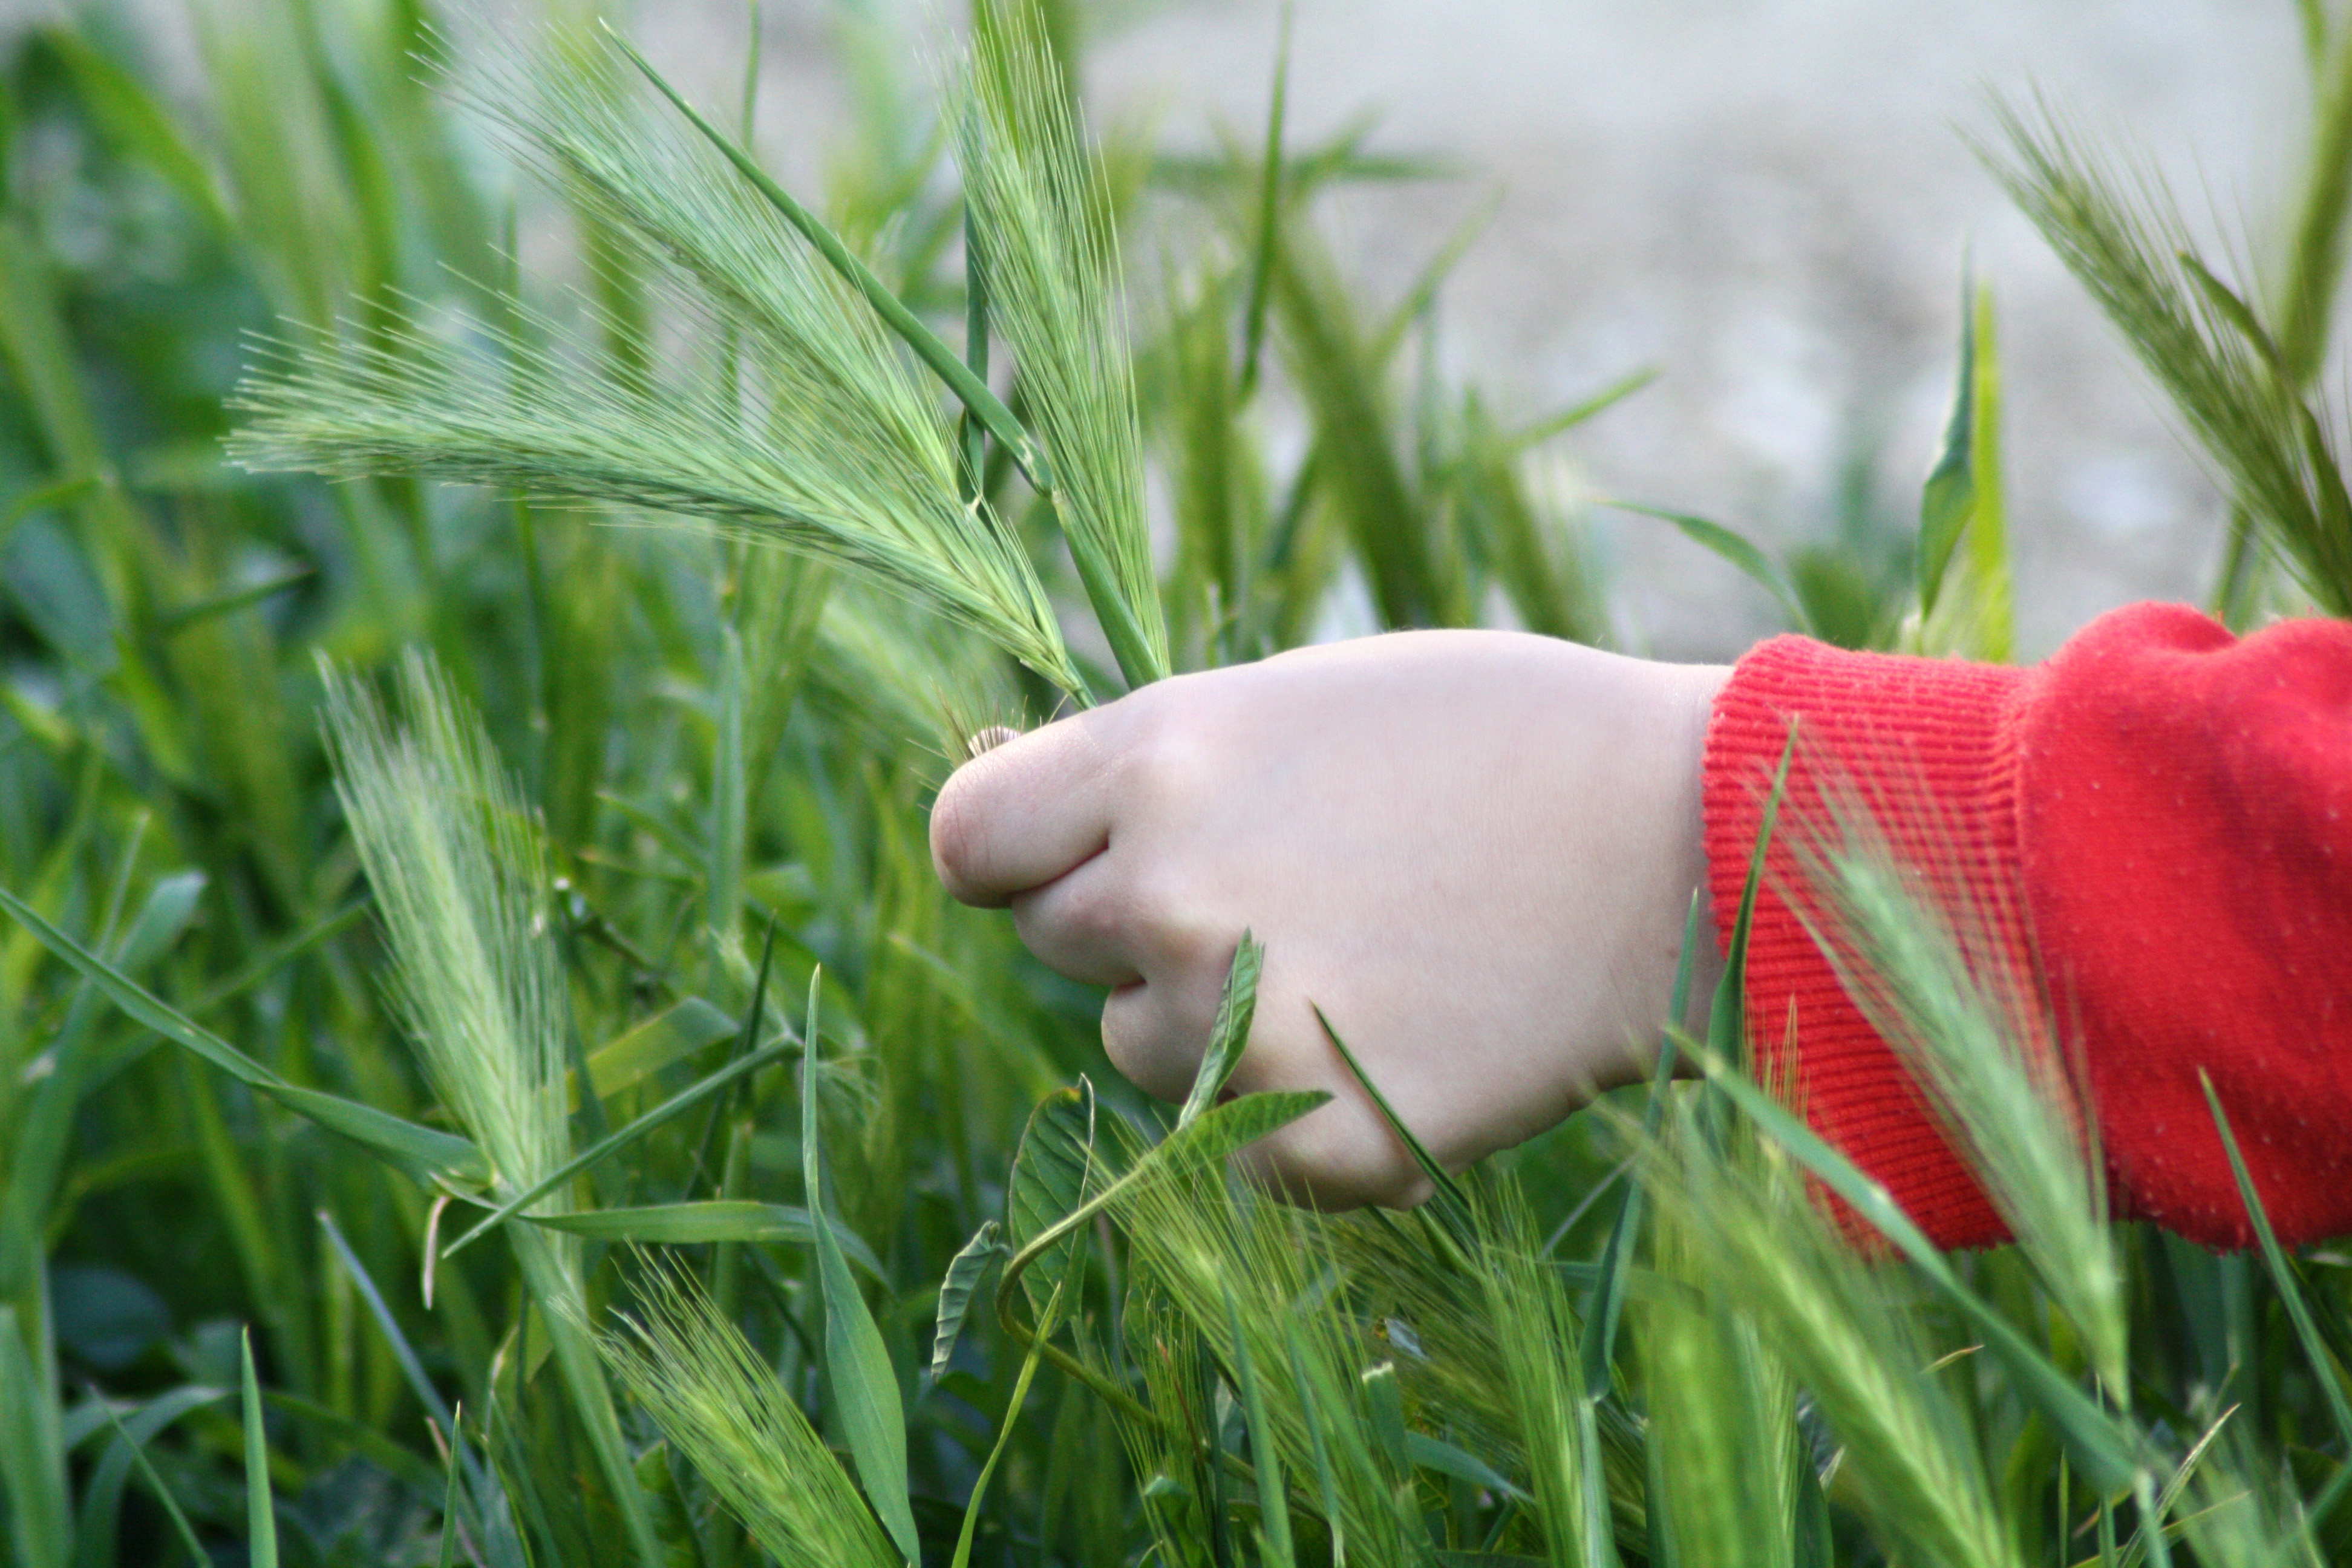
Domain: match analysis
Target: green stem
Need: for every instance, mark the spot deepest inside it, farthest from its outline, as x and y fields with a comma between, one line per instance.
x=1129, y=645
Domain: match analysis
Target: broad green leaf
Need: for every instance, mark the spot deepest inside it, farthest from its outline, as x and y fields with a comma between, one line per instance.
x=1230, y=1036
x=1751, y=562
x=1231, y=1126
x=709, y=1220
x=856, y=1362
x=260, y=1516
x=672, y=1035
x=970, y=1261
x=1055, y=1172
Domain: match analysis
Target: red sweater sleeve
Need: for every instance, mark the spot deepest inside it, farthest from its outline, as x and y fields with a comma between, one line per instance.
x=2170, y=811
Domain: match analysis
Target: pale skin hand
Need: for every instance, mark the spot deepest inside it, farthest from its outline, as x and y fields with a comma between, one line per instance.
x=1474, y=850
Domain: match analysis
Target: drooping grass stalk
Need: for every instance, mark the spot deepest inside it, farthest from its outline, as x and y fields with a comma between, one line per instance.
x=1935, y=971
x=460, y=887
x=835, y=447
x=2305, y=294
x=2123, y=238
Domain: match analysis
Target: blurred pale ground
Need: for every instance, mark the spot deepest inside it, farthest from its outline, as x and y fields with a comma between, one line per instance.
x=1770, y=203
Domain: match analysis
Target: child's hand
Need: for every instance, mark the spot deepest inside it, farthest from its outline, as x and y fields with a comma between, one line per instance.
x=1474, y=850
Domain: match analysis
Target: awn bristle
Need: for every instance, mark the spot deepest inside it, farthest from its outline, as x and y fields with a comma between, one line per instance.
x=451, y=852
x=1934, y=970
x=1053, y=269
x=2124, y=240
x=815, y=432
x=728, y=1415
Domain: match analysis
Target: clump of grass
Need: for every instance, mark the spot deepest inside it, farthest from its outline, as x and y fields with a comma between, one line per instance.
x=827, y=441
x=1846, y=1332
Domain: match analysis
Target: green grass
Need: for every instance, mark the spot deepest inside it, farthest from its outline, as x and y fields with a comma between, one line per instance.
x=418, y=1148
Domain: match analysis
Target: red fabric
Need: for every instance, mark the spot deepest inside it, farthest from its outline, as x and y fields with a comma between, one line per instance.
x=2157, y=823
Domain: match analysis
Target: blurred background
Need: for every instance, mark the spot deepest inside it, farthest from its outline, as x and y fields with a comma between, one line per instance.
x=1770, y=205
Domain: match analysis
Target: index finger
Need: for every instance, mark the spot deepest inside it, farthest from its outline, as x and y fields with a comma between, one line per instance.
x=1019, y=816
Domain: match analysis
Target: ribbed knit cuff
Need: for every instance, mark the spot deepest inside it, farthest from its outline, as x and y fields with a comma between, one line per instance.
x=1929, y=746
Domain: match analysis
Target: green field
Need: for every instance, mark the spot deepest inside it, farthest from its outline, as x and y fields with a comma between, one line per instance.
x=487, y=1073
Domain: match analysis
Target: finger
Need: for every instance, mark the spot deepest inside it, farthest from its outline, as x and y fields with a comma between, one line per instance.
x=1082, y=924
x=1342, y=1156
x=1150, y=1050
x=1023, y=812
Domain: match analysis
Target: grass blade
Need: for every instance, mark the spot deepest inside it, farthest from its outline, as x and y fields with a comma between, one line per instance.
x=1452, y=1204
x=707, y=1221
x=260, y=1514
x=1269, y=213
x=621, y=1138
x=180, y=1525
x=1752, y=562
x=672, y=1035
x=453, y=1497
x=1266, y=1456
x=1605, y=1302
x=2102, y=1449
x=32, y=1459
x=856, y=1362
x=2290, y=1296
x=1950, y=495
x=427, y=1155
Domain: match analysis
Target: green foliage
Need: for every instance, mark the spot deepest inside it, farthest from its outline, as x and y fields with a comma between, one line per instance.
x=485, y=959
